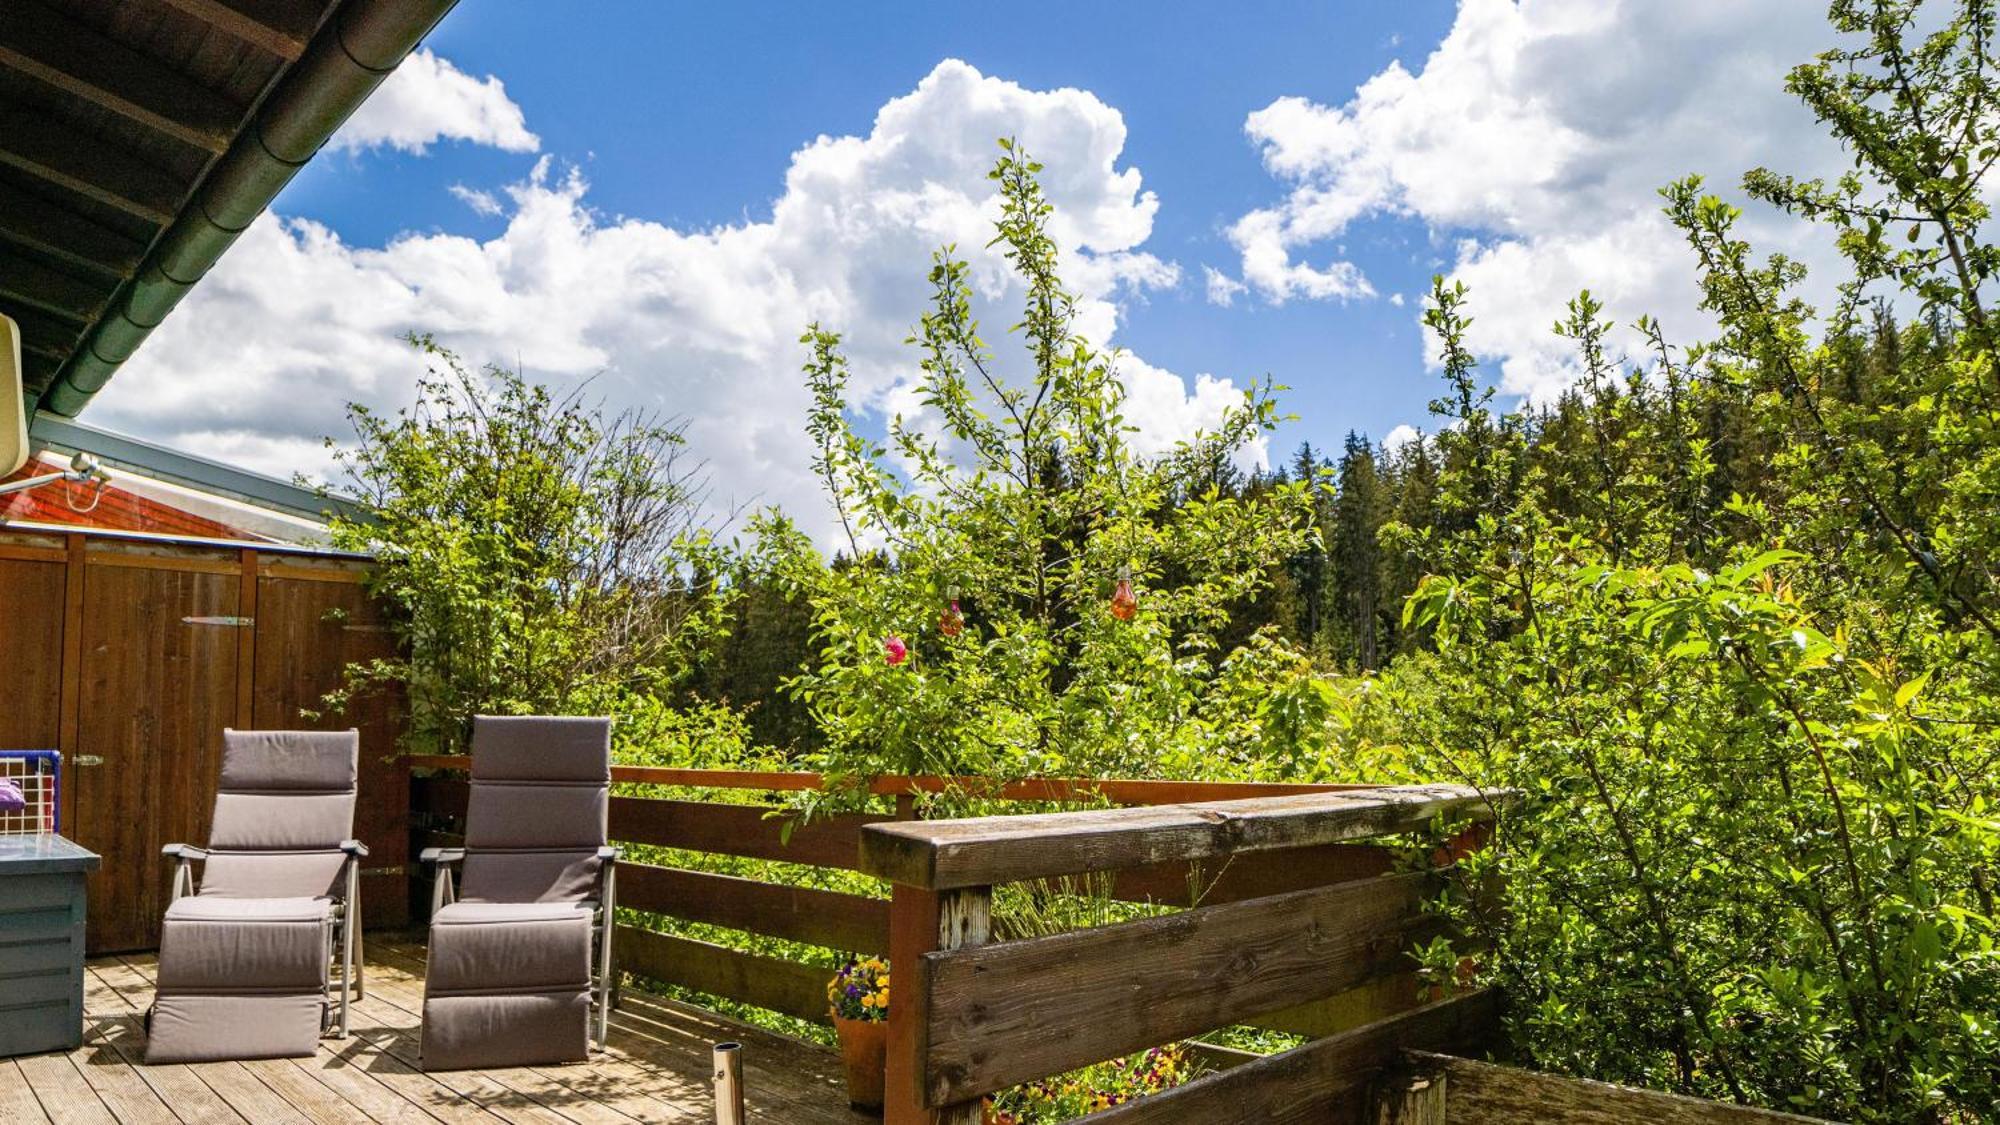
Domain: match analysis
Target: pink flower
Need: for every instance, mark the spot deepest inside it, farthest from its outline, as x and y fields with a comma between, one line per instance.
x=894, y=650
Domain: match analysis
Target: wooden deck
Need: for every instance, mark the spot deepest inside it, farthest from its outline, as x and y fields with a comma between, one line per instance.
x=657, y=1068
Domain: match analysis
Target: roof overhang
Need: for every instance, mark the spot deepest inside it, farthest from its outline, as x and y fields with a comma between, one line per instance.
x=139, y=138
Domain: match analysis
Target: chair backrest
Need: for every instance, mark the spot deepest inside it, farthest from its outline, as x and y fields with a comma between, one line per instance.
x=540, y=793
x=284, y=804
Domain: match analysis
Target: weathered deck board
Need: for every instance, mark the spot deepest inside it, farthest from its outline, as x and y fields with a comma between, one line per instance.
x=657, y=1069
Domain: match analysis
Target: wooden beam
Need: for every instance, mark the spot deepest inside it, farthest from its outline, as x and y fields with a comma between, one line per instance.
x=980, y=851
x=29, y=282
x=1505, y=1095
x=280, y=27
x=744, y=830
x=1325, y=1080
x=1023, y=1010
x=28, y=220
x=805, y=914
x=751, y=831
x=38, y=371
x=84, y=165
x=965, y=922
x=42, y=333
x=1117, y=791
x=768, y=982
x=63, y=52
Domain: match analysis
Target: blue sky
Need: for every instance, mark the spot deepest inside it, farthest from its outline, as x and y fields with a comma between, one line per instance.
x=659, y=196
x=689, y=113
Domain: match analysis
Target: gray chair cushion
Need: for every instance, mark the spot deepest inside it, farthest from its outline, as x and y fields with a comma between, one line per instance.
x=505, y=814
x=214, y=944
x=517, y=1029
x=541, y=748
x=194, y=1028
x=478, y=946
x=275, y=822
x=529, y=876
x=265, y=760
x=240, y=979
x=272, y=875
x=507, y=984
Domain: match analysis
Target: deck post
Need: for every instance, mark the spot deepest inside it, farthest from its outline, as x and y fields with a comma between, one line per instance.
x=965, y=919
x=923, y=921
x=913, y=932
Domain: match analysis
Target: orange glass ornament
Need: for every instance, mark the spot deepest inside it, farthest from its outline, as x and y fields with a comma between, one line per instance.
x=1124, y=603
x=952, y=621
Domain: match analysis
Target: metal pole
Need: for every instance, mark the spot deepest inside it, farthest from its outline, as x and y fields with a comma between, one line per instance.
x=729, y=1084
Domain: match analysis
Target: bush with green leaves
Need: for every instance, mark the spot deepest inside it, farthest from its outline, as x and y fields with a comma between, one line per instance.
x=1755, y=732
x=538, y=556
x=1023, y=592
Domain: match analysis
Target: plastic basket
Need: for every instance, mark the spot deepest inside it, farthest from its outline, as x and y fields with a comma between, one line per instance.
x=39, y=773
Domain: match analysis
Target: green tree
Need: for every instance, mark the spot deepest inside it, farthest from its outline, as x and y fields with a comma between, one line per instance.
x=540, y=556
x=1093, y=584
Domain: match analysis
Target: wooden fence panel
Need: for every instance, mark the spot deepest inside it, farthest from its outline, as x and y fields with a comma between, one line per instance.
x=311, y=623
x=158, y=686
x=1156, y=980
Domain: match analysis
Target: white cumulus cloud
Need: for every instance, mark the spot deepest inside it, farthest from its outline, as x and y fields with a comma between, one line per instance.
x=295, y=321
x=427, y=100
x=1532, y=143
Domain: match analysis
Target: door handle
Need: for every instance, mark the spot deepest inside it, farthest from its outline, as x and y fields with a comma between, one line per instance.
x=87, y=760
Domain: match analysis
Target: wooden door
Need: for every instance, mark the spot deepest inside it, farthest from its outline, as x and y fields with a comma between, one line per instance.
x=157, y=686
x=31, y=606
x=310, y=626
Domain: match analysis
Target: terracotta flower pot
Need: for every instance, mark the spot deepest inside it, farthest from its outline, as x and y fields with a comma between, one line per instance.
x=864, y=1049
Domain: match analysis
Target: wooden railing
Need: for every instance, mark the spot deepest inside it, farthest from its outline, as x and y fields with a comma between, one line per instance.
x=970, y=1016
x=1289, y=920
x=831, y=919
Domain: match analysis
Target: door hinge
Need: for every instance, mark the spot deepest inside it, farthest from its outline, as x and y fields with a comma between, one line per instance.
x=231, y=622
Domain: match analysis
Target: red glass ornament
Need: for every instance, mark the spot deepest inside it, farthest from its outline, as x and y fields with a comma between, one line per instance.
x=1124, y=603
x=894, y=651
x=952, y=621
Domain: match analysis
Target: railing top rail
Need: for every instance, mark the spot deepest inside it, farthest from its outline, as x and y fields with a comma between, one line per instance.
x=982, y=851
x=1115, y=790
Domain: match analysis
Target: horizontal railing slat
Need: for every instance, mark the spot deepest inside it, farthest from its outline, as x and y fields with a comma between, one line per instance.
x=804, y=914
x=750, y=831
x=1056, y=790
x=1138, y=984
x=1505, y=1095
x=1234, y=878
x=1326, y=1080
x=782, y=986
x=982, y=851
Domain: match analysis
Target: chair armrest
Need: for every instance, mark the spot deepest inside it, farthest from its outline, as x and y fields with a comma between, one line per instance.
x=610, y=854
x=354, y=848
x=440, y=856
x=184, y=852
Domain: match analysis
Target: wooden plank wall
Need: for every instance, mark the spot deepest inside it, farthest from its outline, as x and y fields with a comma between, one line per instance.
x=131, y=654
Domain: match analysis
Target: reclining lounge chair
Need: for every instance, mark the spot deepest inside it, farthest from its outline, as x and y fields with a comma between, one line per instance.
x=520, y=955
x=243, y=968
